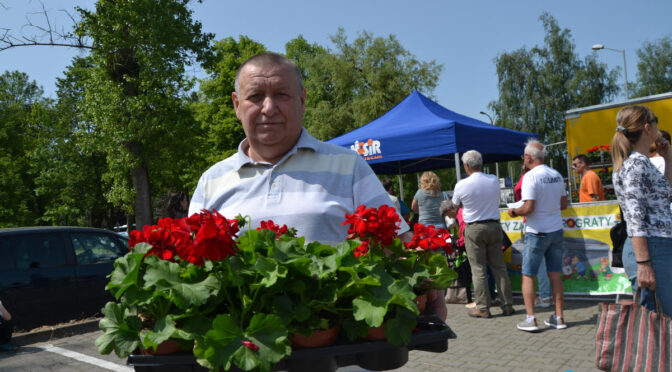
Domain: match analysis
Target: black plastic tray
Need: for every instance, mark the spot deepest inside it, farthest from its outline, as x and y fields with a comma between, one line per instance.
x=432, y=336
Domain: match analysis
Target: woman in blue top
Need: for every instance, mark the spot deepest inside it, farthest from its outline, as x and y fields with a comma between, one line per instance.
x=644, y=195
x=427, y=200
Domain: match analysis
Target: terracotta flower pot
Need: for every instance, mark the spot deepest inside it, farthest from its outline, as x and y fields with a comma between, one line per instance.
x=164, y=348
x=421, y=301
x=377, y=333
x=317, y=339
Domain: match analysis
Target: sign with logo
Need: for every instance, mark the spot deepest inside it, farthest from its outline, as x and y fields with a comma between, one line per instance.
x=586, y=261
x=369, y=149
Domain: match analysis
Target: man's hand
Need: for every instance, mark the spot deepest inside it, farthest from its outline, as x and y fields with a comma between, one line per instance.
x=437, y=303
x=512, y=213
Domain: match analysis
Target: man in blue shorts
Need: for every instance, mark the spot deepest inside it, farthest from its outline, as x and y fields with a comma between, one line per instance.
x=544, y=196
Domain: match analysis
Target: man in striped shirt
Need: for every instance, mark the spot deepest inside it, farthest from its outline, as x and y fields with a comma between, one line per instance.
x=281, y=172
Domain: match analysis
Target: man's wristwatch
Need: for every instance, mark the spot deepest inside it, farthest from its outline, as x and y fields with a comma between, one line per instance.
x=513, y=212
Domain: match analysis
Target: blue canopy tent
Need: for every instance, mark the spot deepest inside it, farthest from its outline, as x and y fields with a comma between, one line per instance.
x=419, y=134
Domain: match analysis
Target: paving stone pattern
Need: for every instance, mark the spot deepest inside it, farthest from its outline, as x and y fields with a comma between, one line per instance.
x=496, y=344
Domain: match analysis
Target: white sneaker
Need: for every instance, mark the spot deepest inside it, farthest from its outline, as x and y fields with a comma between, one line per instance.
x=471, y=305
x=555, y=322
x=543, y=302
x=529, y=326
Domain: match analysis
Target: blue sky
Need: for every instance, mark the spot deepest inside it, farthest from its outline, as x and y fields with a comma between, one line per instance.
x=464, y=36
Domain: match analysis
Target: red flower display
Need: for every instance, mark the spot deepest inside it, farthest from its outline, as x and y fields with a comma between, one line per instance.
x=206, y=235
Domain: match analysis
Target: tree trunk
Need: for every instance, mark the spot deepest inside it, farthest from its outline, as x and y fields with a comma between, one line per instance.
x=143, y=198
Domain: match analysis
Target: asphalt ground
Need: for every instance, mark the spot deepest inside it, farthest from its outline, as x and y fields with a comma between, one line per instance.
x=481, y=345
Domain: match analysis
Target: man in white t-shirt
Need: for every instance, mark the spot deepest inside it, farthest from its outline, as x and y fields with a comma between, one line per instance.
x=478, y=195
x=543, y=196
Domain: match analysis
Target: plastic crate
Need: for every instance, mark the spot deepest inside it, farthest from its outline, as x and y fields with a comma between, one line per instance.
x=432, y=336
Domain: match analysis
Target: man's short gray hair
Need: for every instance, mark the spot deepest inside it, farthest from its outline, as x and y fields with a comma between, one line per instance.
x=445, y=205
x=535, y=149
x=473, y=159
x=267, y=60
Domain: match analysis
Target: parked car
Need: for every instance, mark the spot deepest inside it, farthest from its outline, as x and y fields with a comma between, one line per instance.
x=50, y=275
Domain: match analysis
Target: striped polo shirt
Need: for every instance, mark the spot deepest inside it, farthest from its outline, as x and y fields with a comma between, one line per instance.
x=311, y=189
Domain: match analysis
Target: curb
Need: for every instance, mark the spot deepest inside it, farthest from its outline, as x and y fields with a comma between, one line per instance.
x=54, y=333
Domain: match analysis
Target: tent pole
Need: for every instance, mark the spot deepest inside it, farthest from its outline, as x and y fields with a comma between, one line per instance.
x=497, y=170
x=457, y=166
x=401, y=186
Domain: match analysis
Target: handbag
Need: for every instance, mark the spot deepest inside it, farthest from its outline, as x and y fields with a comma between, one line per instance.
x=618, y=234
x=632, y=338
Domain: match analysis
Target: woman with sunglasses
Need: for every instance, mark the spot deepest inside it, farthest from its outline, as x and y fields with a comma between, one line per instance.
x=644, y=195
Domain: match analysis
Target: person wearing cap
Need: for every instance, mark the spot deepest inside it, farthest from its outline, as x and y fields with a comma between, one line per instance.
x=478, y=196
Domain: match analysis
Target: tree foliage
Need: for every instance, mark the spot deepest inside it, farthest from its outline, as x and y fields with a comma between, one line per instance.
x=134, y=94
x=21, y=109
x=538, y=85
x=654, y=69
x=358, y=81
x=220, y=130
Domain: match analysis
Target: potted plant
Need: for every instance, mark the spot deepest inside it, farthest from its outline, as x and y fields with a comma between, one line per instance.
x=238, y=300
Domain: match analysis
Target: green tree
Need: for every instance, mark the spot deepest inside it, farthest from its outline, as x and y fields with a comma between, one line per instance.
x=357, y=82
x=220, y=128
x=21, y=104
x=69, y=164
x=654, y=69
x=538, y=85
x=135, y=93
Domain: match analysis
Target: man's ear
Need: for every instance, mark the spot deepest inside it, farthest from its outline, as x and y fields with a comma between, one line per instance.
x=234, y=98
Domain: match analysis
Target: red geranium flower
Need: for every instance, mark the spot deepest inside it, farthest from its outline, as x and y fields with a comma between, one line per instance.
x=250, y=345
x=377, y=225
x=270, y=225
x=429, y=238
x=362, y=250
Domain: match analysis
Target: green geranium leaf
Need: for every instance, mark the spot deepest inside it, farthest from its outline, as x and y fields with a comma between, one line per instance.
x=400, y=328
x=125, y=274
x=120, y=331
x=224, y=343
x=442, y=275
x=165, y=276
x=163, y=330
x=270, y=270
x=194, y=326
x=370, y=310
x=218, y=345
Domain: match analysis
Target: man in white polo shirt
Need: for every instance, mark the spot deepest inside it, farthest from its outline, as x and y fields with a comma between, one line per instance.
x=544, y=196
x=478, y=195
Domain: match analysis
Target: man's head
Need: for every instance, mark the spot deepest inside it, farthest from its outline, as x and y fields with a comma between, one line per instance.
x=270, y=102
x=580, y=163
x=447, y=208
x=388, y=185
x=473, y=160
x=534, y=154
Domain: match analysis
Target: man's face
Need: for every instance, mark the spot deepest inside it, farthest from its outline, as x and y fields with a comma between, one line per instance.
x=578, y=165
x=270, y=106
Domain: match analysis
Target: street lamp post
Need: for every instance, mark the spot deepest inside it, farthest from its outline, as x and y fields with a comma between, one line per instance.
x=489, y=117
x=493, y=123
x=625, y=69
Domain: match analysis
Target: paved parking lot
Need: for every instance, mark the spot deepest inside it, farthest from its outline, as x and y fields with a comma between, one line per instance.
x=481, y=345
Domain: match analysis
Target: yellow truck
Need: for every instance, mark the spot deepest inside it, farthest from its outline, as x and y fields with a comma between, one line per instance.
x=589, y=126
